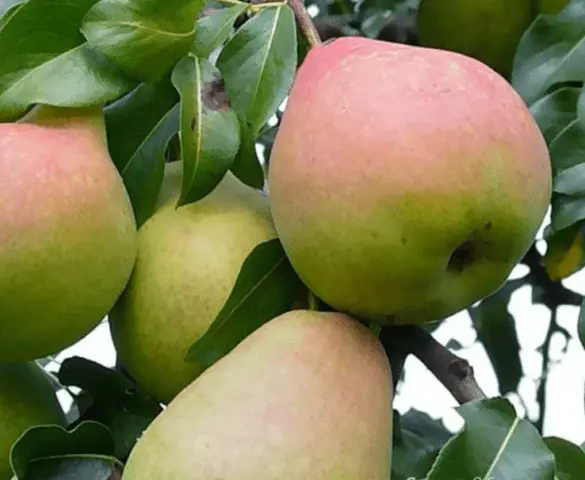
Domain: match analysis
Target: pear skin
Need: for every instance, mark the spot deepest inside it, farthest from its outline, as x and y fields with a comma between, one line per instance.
x=27, y=399
x=67, y=231
x=406, y=183
x=188, y=261
x=307, y=396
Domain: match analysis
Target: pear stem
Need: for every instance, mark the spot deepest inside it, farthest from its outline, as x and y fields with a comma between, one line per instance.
x=305, y=23
x=455, y=373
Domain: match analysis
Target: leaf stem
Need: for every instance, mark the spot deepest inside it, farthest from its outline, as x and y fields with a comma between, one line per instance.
x=305, y=23
x=259, y=6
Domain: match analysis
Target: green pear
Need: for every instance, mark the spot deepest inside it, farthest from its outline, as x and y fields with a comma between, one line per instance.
x=188, y=261
x=405, y=182
x=27, y=399
x=488, y=30
x=67, y=231
x=307, y=396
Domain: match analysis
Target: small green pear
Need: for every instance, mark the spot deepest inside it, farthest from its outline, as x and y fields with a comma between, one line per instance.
x=488, y=30
x=307, y=396
x=67, y=231
x=27, y=399
x=188, y=261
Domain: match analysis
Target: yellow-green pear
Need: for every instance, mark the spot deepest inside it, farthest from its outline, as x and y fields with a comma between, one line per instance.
x=27, y=399
x=488, y=30
x=67, y=230
x=307, y=396
x=188, y=261
x=405, y=182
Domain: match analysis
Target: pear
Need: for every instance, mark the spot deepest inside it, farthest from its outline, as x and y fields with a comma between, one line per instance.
x=488, y=30
x=405, y=182
x=188, y=261
x=27, y=399
x=551, y=7
x=67, y=230
x=307, y=396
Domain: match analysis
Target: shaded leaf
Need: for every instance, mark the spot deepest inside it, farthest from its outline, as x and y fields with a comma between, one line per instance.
x=568, y=147
x=551, y=51
x=40, y=443
x=266, y=287
x=496, y=330
x=555, y=111
x=415, y=447
x=566, y=211
x=139, y=127
x=65, y=72
x=116, y=402
x=209, y=129
x=569, y=459
x=571, y=181
x=213, y=29
x=565, y=253
x=82, y=467
x=259, y=63
x=144, y=37
x=246, y=166
x=495, y=443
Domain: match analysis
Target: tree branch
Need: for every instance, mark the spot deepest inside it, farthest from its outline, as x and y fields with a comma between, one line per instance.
x=305, y=22
x=455, y=373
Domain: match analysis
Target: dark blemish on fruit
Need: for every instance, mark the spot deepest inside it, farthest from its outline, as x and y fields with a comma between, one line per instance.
x=462, y=257
x=193, y=124
x=403, y=240
x=214, y=95
x=488, y=225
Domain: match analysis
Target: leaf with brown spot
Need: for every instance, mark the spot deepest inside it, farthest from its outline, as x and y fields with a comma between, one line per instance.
x=209, y=130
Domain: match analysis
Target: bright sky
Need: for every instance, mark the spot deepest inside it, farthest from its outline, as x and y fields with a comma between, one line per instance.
x=565, y=411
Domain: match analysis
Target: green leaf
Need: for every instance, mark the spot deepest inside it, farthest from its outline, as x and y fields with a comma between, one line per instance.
x=568, y=147
x=139, y=128
x=209, y=128
x=144, y=37
x=258, y=64
x=8, y=8
x=115, y=401
x=496, y=330
x=571, y=181
x=555, y=111
x=74, y=468
x=494, y=443
x=569, y=459
x=213, y=29
x=566, y=211
x=246, y=166
x=45, y=445
x=266, y=287
x=581, y=326
x=565, y=253
x=48, y=62
x=417, y=444
x=551, y=51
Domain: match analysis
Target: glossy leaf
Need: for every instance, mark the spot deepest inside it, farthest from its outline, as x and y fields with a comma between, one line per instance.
x=494, y=443
x=551, y=51
x=115, y=401
x=259, y=63
x=246, y=165
x=144, y=37
x=555, y=111
x=571, y=181
x=49, y=443
x=566, y=211
x=139, y=128
x=565, y=253
x=568, y=147
x=209, y=129
x=569, y=459
x=75, y=468
x=48, y=62
x=415, y=447
x=266, y=287
x=496, y=330
x=213, y=29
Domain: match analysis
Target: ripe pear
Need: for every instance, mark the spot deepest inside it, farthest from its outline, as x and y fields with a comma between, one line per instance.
x=488, y=30
x=307, y=396
x=67, y=230
x=405, y=182
x=27, y=399
x=188, y=261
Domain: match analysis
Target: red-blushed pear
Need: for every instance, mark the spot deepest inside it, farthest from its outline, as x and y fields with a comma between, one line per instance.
x=27, y=399
x=405, y=182
x=307, y=396
x=67, y=230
